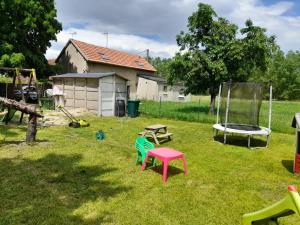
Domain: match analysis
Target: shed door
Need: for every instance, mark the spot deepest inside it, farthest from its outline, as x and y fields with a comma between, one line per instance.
x=107, y=96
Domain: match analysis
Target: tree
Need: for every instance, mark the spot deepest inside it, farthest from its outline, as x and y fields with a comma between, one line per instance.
x=284, y=71
x=26, y=29
x=162, y=66
x=211, y=52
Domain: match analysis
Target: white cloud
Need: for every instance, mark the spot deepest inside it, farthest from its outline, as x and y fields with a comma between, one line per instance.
x=130, y=22
x=285, y=28
x=129, y=43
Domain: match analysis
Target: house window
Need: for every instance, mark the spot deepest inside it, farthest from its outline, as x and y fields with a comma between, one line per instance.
x=181, y=91
x=165, y=88
x=141, y=65
x=103, y=56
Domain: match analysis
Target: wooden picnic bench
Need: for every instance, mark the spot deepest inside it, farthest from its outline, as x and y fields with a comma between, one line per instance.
x=157, y=131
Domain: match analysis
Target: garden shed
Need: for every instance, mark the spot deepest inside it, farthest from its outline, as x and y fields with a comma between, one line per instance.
x=101, y=93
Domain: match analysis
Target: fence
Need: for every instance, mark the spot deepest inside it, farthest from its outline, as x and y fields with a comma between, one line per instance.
x=197, y=110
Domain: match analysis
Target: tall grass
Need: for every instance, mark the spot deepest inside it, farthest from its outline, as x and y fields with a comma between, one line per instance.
x=198, y=111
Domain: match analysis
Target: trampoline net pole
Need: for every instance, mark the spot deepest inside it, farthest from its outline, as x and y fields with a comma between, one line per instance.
x=227, y=105
x=270, y=108
x=227, y=109
x=254, y=116
x=219, y=99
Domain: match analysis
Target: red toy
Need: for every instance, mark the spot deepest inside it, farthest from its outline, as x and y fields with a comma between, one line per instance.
x=296, y=124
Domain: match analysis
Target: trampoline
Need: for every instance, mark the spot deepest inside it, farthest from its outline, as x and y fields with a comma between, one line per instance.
x=238, y=110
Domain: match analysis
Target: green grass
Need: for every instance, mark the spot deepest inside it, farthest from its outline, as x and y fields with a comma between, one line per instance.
x=70, y=178
x=197, y=111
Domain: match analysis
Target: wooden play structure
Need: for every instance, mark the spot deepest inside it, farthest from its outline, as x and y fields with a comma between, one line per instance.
x=11, y=105
x=27, y=109
x=17, y=84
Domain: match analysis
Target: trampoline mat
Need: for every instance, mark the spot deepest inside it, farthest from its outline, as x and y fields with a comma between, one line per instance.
x=242, y=127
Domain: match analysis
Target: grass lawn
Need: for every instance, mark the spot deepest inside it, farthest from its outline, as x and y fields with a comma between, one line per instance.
x=70, y=178
x=282, y=112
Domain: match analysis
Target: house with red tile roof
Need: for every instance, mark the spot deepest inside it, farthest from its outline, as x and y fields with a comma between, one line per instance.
x=81, y=57
x=51, y=62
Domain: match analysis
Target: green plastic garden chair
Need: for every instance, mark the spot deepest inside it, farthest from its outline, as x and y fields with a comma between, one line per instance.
x=142, y=146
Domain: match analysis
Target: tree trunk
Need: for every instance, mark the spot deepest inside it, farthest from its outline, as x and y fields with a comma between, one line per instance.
x=9, y=103
x=31, y=129
x=24, y=108
x=212, y=104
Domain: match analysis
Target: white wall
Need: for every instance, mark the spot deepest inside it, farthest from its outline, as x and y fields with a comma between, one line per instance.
x=128, y=73
x=147, y=89
x=72, y=61
x=111, y=88
x=152, y=90
x=173, y=93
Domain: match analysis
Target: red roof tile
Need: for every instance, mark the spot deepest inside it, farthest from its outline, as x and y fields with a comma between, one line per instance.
x=51, y=62
x=97, y=54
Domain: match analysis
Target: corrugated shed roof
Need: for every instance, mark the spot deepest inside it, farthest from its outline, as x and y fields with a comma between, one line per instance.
x=85, y=75
x=154, y=78
x=98, y=54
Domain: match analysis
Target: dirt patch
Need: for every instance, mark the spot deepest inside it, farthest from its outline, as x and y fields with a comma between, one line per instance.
x=57, y=118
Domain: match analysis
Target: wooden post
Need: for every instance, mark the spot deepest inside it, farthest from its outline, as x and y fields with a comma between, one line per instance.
x=21, y=117
x=159, y=112
x=33, y=115
x=31, y=129
x=199, y=111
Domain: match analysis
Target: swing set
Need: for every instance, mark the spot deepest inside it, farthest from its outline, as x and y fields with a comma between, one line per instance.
x=12, y=104
x=18, y=93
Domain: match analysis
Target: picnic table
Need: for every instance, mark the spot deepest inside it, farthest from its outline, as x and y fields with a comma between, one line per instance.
x=157, y=131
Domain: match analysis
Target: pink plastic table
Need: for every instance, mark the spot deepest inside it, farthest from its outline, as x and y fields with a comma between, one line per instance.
x=165, y=155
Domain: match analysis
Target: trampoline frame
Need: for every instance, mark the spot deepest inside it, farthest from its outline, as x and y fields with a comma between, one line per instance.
x=263, y=131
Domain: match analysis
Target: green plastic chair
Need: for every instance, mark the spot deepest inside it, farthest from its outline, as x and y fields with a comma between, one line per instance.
x=142, y=146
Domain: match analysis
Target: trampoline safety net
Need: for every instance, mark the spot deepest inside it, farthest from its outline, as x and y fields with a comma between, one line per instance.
x=245, y=101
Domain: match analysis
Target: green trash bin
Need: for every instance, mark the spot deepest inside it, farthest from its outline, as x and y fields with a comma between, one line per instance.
x=133, y=108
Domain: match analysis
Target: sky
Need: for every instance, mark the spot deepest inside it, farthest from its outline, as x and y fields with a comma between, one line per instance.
x=137, y=25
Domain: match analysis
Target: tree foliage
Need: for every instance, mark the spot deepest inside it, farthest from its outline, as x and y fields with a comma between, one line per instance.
x=26, y=29
x=284, y=72
x=211, y=52
x=162, y=66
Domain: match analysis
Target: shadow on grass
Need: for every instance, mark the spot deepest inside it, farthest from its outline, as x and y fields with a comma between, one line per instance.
x=7, y=130
x=289, y=165
x=21, y=142
x=51, y=188
x=194, y=109
x=172, y=170
x=241, y=141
